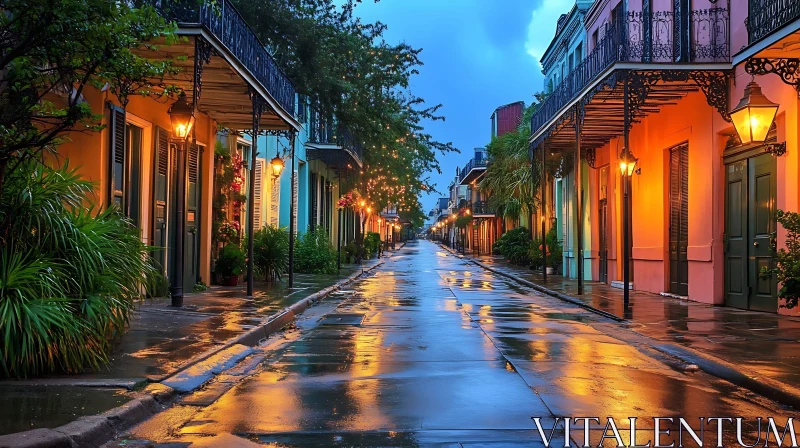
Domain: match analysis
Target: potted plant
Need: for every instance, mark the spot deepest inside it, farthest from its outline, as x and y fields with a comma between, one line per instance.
x=787, y=260
x=554, y=251
x=230, y=264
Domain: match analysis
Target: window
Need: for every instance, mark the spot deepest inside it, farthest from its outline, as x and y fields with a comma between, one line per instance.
x=594, y=38
x=578, y=54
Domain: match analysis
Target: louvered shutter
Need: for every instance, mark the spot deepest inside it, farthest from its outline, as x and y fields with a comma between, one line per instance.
x=258, y=194
x=193, y=159
x=294, y=195
x=160, y=182
x=679, y=218
x=312, y=219
x=117, y=159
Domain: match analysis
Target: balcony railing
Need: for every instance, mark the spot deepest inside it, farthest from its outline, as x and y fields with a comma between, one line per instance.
x=325, y=131
x=222, y=20
x=471, y=165
x=766, y=16
x=645, y=38
x=481, y=208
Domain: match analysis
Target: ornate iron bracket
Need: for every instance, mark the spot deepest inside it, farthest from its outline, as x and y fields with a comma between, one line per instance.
x=202, y=56
x=776, y=149
x=788, y=69
x=716, y=87
x=285, y=133
x=259, y=104
x=588, y=154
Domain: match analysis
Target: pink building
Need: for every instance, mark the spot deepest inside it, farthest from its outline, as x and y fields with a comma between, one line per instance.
x=656, y=88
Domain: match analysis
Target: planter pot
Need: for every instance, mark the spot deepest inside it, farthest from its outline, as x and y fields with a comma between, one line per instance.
x=551, y=271
x=231, y=281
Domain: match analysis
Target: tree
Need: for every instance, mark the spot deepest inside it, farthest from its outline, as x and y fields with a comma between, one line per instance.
x=346, y=69
x=51, y=51
x=511, y=181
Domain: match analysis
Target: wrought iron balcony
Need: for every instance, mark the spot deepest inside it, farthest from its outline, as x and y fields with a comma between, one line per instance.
x=647, y=38
x=223, y=21
x=473, y=164
x=326, y=131
x=481, y=208
x=766, y=16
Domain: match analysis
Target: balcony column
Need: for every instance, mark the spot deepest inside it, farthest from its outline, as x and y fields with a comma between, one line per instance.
x=626, y=205
x=578, y=199
x=543, y=211
x=259, y=104
x=292, y=212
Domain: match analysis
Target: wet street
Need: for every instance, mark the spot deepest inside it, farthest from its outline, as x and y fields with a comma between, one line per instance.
x=433, y=350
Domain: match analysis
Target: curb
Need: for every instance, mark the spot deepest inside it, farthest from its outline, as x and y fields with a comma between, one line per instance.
x=775, y=390
x=96, y=430
x=540, y=288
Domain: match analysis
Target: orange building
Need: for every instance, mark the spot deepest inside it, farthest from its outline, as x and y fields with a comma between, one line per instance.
x=164, y=183
x=649, y=108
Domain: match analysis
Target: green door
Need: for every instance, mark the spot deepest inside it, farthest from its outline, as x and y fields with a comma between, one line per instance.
x=191, y=257
x=160, y=196
x=749, y=224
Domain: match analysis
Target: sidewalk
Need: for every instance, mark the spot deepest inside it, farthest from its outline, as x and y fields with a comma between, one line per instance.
x=160, y=341
x=764, y=343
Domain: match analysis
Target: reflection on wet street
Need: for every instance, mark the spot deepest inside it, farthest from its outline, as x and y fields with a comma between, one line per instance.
x=431, y=350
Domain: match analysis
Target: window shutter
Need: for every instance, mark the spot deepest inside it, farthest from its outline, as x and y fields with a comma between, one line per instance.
x=193, y=156
x=117, y=156
x=312, y=221
x=257, y=194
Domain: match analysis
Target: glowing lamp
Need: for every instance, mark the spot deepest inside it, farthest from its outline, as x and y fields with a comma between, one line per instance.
x=181, y=114
x=277, y=166
x=627, y=166
x=754, y=114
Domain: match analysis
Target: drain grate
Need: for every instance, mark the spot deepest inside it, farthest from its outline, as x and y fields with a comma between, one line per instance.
x=343, y=319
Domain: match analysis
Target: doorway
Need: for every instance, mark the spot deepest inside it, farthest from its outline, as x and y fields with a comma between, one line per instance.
x=679, y=219
x=750, y=189
x=602, y=212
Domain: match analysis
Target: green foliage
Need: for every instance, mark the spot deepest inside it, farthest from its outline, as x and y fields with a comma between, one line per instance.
x=199, y=287
x=787, y=260
x=554, y=250
x=372, y=244
x=314, y=253
x=349, y=252
x=463, y=220
x=53, y=50
x=514, y=245
x=231, y=261
x=348, y=70
x=271, y=252
x=63, y=294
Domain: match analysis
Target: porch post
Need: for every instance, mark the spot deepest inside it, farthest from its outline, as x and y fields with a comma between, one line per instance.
x=339, y=230
x=291, y=216
x=180, y=223
x=626, y=268
x=258, y=109
x=578, y=199
x=543, y=213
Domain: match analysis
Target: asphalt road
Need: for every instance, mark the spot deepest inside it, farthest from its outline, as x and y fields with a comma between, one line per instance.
x=434, y=351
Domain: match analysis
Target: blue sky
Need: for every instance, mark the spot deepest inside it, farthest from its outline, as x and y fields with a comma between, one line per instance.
x=478, y=54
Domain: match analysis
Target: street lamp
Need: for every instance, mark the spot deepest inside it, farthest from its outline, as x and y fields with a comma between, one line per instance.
x=627, y=166
x=277, y=165
x=754, y=114
x=181, y=115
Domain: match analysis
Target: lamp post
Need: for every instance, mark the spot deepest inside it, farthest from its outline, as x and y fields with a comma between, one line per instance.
x=181, y=115
x=627, y=165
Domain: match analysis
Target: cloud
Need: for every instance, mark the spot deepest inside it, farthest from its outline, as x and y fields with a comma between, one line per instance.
x=542, y=26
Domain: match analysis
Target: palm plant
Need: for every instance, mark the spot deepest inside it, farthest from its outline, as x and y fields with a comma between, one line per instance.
x=271, y=252
x=63, y=296
x=510, y=181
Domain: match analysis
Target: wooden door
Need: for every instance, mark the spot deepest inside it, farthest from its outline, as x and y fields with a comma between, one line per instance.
x=679, y=220
x=160, y=196
x=749, y=228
